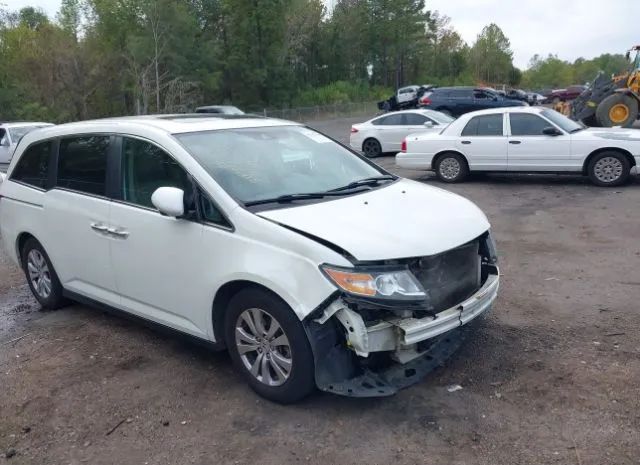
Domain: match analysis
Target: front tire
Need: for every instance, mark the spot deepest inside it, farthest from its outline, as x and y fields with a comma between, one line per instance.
x=269, y=346
x=452, y=167
x=609, y=169
x=41, y=276
x=371, y=148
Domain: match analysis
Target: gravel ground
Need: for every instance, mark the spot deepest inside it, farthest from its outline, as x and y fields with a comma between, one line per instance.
x=550, y=377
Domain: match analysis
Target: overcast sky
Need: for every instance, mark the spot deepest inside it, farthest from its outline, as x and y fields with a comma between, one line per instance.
x=568, y=28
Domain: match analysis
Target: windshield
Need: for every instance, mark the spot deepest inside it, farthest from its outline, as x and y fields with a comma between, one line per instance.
x=437, y=116
x=19, y=132
x=562, y=121
x=254, y=164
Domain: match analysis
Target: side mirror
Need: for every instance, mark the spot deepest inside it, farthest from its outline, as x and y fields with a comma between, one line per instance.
x=169, y=201
x=551, y=131
x=428, y=124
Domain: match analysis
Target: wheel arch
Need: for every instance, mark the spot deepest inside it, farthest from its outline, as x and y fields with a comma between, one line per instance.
x=626, y=153
x=221, y=300
x=21, y=240
x=439, y=155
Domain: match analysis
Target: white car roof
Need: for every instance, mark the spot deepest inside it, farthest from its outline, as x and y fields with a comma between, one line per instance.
x=171, y=124
x=21, y=124
x=493, y=111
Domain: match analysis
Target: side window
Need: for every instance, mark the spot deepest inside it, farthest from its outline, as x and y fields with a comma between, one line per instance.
x=414, y=119
x=210, y=213
x=145, y=168
x=482, y=95
x=391, y=120
x=523, y=124
x=486, y=125
x=33, y=167
x=82, y=164
x=460, y=93
x=4, y=138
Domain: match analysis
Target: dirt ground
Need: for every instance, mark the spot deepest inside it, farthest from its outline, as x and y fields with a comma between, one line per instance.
x=550, y=377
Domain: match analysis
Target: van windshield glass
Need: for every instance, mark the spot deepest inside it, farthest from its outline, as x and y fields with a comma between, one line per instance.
x=254, y=164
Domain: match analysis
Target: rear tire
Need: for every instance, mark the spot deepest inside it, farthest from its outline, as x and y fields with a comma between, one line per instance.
x=277, y=363
x=617, y=110
x=609, y=169
x=452, y=167
x=371, y=148
x=41, y=276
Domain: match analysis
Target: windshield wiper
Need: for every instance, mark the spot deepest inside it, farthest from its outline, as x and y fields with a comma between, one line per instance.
x=292, y=197
x=364, y=182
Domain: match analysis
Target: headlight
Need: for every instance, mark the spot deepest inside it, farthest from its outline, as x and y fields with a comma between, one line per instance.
x=380, y=284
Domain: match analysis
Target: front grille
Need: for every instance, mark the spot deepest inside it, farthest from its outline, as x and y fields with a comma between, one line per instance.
x=450, y=277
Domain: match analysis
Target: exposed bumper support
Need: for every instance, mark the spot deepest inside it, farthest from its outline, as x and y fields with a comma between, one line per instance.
x=342, y=369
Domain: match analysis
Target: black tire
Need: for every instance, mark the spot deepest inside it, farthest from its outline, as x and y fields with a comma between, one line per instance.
x=625, y=103
x=301, y=378
x=605, y=165
x=451, y=167
x=31, y=253
x=371, y=148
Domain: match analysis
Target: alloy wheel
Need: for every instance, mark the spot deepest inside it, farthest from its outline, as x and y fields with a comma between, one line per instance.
x=263, y=347
x=39, y=273
x=608, y=169
x=449, y=168
x=371, y=148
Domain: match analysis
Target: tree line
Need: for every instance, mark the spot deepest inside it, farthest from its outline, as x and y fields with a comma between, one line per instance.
x=112, y=57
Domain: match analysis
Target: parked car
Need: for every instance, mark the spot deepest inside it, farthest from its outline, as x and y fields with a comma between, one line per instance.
x=562, y=95
x=405, y=98
x=304, y=259
x=10, y=135
x=534, y=98
x=220, y=109
x=456, y=101
x=385, y=133
x=517, y=94
x=530, y=139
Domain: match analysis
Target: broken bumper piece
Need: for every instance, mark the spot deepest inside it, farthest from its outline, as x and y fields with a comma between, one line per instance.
x=414, y=346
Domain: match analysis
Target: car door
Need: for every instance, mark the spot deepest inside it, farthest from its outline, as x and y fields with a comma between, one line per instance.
x=157, y=259
x=76, y=212
x=460, y=101
x=532, y=150
x=483, y=99
x=484, y=143
x=415, y=122
x=390, y=131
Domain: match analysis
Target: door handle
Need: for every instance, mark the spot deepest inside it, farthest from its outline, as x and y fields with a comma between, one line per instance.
x=514, y=142
x=99, y=227
x=118, y=232
x=466, y=142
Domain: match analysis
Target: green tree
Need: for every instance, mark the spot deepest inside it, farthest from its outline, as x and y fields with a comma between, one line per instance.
x=491, y=57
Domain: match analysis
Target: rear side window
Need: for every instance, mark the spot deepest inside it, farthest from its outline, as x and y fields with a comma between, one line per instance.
x=523, y=124
x=82, y=164
x=145, y=168
x=485, y=125
x=414, y=119
x=33, y=166
x=460, y=93
x=391, y=120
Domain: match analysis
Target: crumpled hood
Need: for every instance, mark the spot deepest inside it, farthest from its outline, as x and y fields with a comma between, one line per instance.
x=403, y=219
x=624, y=134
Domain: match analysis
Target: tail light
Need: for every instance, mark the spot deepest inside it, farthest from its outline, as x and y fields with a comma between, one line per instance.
x=353, y=130
x=403, y=146
x=425, y=101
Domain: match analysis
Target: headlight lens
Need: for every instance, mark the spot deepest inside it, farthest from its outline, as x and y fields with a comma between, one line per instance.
x=381, y=284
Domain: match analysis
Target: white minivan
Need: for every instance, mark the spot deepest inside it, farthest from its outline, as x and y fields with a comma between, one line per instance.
x=310, y=264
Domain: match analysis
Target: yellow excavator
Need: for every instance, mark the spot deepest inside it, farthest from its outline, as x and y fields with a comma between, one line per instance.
x=610, y=101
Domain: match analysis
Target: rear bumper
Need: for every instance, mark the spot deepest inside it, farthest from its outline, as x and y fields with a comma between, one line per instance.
x=417, y=161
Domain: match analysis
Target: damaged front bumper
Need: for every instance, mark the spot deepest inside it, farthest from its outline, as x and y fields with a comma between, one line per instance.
x=412, y=347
